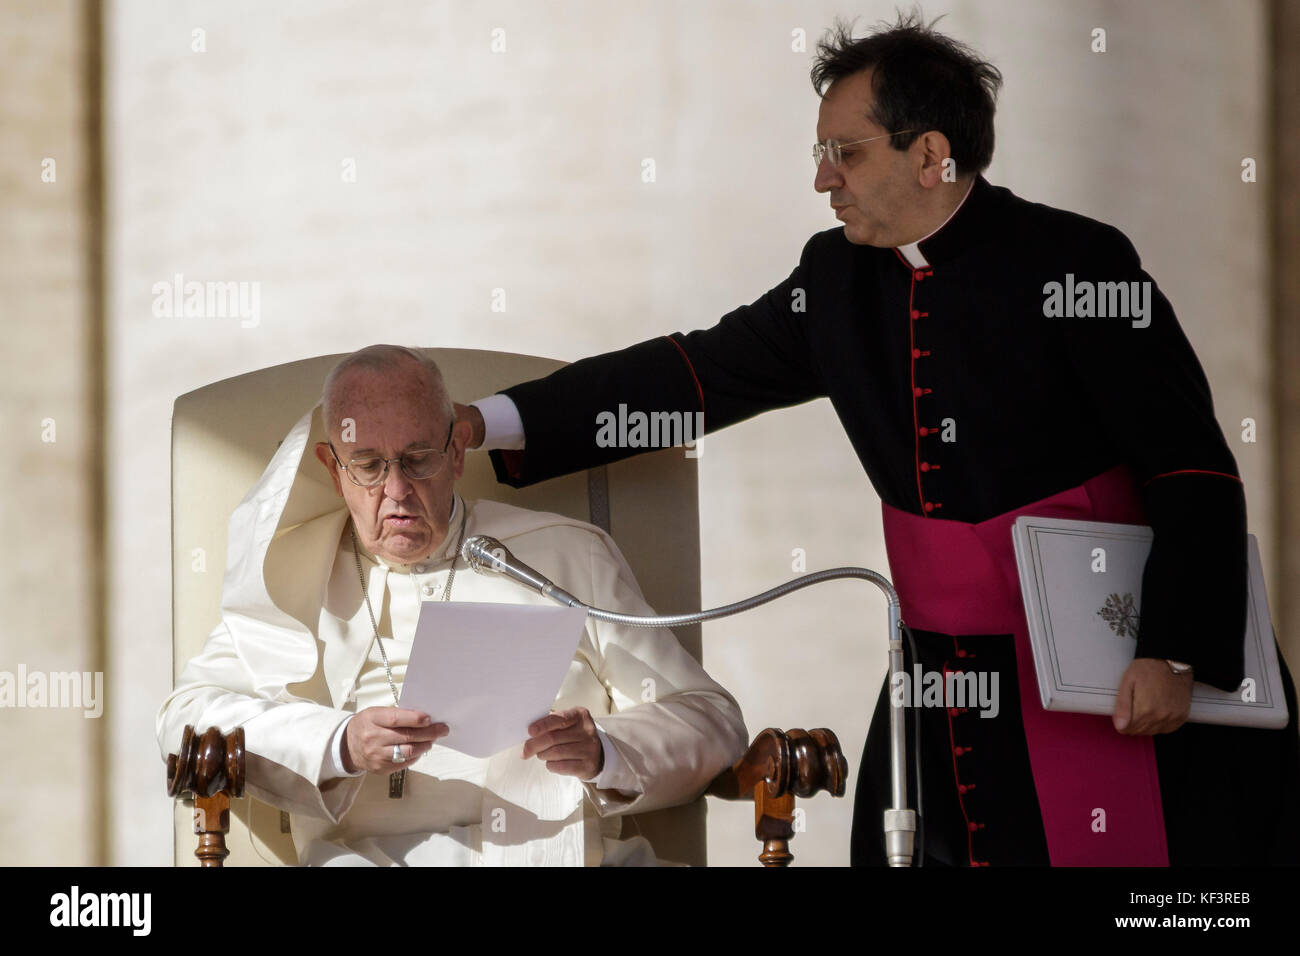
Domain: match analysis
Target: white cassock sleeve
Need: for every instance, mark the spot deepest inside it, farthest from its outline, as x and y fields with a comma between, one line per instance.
x=673, y=726
x=286, y=739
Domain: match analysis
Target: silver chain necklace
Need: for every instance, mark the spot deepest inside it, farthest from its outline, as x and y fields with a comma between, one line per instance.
x=397, y=779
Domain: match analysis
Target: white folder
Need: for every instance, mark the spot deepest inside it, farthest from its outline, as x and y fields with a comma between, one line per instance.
x=1083, y=621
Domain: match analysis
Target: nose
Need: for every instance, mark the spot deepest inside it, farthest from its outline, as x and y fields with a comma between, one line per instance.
x=396, y=485
x=828, y=176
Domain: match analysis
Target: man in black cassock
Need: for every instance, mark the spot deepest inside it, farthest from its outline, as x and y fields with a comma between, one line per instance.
x=987, y=357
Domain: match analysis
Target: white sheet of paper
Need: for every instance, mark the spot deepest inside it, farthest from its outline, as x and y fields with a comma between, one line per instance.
x=489, y=670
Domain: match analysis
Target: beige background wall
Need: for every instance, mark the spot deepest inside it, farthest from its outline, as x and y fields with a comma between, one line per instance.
x=521, y=171
x=51, y=794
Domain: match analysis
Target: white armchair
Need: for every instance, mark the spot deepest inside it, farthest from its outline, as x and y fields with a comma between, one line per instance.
x=224, y=434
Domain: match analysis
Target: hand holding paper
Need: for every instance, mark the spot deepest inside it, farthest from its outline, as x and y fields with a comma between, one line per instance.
x=567, y=742
x=374, y=732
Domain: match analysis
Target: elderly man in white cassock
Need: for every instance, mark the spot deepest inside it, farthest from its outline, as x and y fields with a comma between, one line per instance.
x=317, y=626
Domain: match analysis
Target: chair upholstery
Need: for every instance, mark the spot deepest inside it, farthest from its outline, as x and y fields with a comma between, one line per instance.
x=224, y=434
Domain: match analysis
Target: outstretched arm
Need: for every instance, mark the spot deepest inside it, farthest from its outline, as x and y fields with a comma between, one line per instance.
x=755, y=359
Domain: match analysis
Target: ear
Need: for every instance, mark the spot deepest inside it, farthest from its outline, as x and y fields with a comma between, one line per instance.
x=327, y=459
x=934, y=150
x=461, y=433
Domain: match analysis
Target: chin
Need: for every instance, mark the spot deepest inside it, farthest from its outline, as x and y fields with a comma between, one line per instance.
x=860, y=237
x=401, y=547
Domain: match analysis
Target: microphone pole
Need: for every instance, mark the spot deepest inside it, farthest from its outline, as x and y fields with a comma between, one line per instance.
x=487, y=555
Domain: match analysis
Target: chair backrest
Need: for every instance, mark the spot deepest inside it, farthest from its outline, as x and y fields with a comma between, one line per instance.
x=224, y=434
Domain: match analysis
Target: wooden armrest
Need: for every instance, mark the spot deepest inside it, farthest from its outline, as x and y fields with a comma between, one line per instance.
x=777, y=767
x=212, y=768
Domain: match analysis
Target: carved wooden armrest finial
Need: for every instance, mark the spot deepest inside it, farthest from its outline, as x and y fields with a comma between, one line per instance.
x=777, y=767
x=212, y=768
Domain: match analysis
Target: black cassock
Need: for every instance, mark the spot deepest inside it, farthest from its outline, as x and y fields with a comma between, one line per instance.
x=971, y=387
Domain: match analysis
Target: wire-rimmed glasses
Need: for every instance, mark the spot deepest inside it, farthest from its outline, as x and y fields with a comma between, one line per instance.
x=418, y=465
x=834, y=148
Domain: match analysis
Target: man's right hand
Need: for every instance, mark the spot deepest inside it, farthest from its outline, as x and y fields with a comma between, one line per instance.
x=471, y=414
x=373, y=732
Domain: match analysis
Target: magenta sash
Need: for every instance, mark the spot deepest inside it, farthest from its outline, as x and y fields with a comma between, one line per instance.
x=959, y=578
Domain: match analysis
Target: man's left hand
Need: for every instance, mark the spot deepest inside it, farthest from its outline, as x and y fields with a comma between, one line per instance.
x=566, y=740
x=1152, y=698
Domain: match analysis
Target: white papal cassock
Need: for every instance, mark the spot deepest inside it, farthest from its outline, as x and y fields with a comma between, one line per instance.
x=294, y=657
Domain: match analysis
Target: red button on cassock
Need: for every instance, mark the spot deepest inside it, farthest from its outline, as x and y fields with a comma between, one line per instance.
x=916, y=314
x=925, y=466
x=929, y=506
x=924, y=431
x=918, y=392
x=916, y=353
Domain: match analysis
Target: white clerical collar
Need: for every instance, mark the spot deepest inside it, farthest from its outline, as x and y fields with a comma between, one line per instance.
x=442, y=553
x=912, y=251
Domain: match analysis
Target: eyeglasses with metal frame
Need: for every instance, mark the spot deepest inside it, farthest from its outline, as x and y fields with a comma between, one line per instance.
x=835, y=149
x=418, y=465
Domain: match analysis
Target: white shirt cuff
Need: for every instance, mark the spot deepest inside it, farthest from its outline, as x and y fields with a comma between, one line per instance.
x=333, y=766
x=502, y=426
x=615, y=774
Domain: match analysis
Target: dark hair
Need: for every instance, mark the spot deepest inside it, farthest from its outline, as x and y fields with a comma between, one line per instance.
x=922, y=80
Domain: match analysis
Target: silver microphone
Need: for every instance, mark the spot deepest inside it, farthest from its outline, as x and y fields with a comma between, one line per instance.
x=487, y=555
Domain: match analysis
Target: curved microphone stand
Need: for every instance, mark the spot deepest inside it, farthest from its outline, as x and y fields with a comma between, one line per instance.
x=487, y=555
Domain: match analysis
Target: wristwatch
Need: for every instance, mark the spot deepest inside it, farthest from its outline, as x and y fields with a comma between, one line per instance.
x=1178, y=667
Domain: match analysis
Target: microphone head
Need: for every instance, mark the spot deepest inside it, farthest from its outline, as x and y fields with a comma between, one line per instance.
x=483, y=553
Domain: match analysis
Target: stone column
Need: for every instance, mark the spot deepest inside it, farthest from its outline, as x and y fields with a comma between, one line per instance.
x=51, y=645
